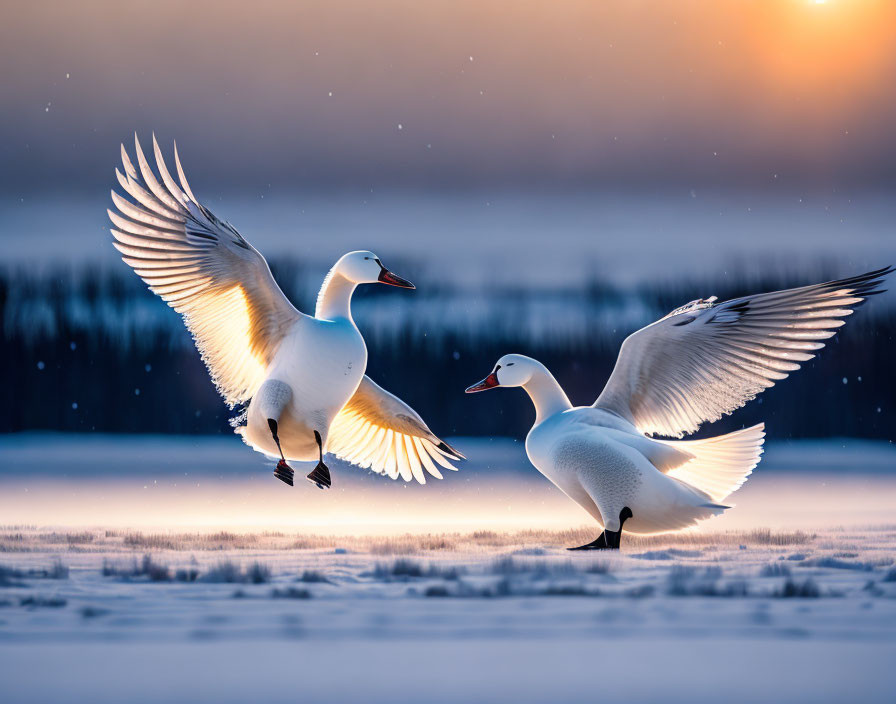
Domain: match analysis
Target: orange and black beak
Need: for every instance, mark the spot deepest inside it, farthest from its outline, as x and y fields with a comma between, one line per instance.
x=490, y=382
x=387, y=277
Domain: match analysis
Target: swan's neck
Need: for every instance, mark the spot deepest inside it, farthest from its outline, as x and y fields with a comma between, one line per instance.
x=546, y=394
x=335, y=297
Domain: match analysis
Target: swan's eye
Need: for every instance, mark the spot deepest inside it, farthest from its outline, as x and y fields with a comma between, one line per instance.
x=366, y=259
x=510, y=364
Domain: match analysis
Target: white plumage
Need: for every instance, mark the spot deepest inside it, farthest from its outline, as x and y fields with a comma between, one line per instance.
x=719, y=465
x=704, y=361
x=306, y=373
x=700, y=362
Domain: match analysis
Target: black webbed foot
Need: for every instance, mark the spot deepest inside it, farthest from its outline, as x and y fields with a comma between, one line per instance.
x=609, y=539
x=284, y=472
x=599, y=544
x=320, y=475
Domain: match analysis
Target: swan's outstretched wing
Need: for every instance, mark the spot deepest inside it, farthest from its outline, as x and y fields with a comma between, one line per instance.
x=705, y=360
x=378, y=430
x=204, y=269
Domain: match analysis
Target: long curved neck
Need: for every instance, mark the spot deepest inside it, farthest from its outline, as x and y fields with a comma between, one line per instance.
x=335, y=297
x=546, y=394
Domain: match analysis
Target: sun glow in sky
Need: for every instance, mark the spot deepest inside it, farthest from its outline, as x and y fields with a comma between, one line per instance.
x=651, y=90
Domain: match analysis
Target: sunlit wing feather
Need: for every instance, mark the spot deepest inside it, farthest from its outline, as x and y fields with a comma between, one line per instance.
x=703, y=361
x=378, y=430
x=204, y=269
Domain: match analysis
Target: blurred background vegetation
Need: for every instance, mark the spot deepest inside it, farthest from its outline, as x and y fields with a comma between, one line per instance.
x=88, y=348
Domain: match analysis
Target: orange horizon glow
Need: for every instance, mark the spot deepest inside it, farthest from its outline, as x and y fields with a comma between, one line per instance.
x=504, y=505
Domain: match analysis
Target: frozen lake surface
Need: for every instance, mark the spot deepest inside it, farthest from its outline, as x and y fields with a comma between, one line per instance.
x=789, y=597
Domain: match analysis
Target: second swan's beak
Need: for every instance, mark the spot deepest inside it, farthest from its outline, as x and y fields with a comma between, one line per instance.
x=387, y=277
x=490, y=382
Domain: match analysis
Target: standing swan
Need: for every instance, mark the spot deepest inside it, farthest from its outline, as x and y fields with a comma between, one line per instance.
x=700, y=362
x=303, y=375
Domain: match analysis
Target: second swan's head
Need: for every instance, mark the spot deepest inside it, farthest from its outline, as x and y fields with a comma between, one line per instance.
x=366, y=268
x=511, y=370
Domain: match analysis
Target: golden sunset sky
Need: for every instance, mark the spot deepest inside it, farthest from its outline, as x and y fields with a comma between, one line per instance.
x=441, y=93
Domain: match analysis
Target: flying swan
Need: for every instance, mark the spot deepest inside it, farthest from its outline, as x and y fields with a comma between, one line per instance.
x=303, y=376
x=700, y=362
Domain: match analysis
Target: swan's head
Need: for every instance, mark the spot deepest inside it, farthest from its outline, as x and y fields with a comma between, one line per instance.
x=366, y=268
x=511, y=370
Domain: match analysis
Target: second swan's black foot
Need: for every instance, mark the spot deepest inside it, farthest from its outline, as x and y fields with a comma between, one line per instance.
x=284, y=472
x=320, y=476
x=609, y=539
x=599, y=544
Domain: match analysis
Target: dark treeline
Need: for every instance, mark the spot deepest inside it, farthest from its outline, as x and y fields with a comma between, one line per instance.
x=92, y=350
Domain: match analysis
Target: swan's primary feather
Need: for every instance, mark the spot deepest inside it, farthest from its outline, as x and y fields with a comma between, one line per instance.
x=704, y=360
x=378, y=430
x=204, y=269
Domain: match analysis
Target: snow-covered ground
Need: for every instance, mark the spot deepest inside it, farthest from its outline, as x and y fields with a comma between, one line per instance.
x=754, y=616
x=790, y=597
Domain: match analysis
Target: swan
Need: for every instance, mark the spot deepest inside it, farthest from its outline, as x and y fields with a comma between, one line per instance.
x=696, y=364
x=302, y=376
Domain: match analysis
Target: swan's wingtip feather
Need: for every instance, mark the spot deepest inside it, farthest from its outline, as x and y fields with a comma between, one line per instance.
x=180, y=174
x=448, y=450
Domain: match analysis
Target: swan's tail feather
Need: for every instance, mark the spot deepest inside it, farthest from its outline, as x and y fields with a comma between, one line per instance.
x=720, y=465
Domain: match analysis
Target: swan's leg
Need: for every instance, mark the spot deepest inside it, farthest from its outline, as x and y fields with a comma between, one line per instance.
x=613, y=537
x=320, y=475
x=283, y=472
x=272, y=398
x=609, y=539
